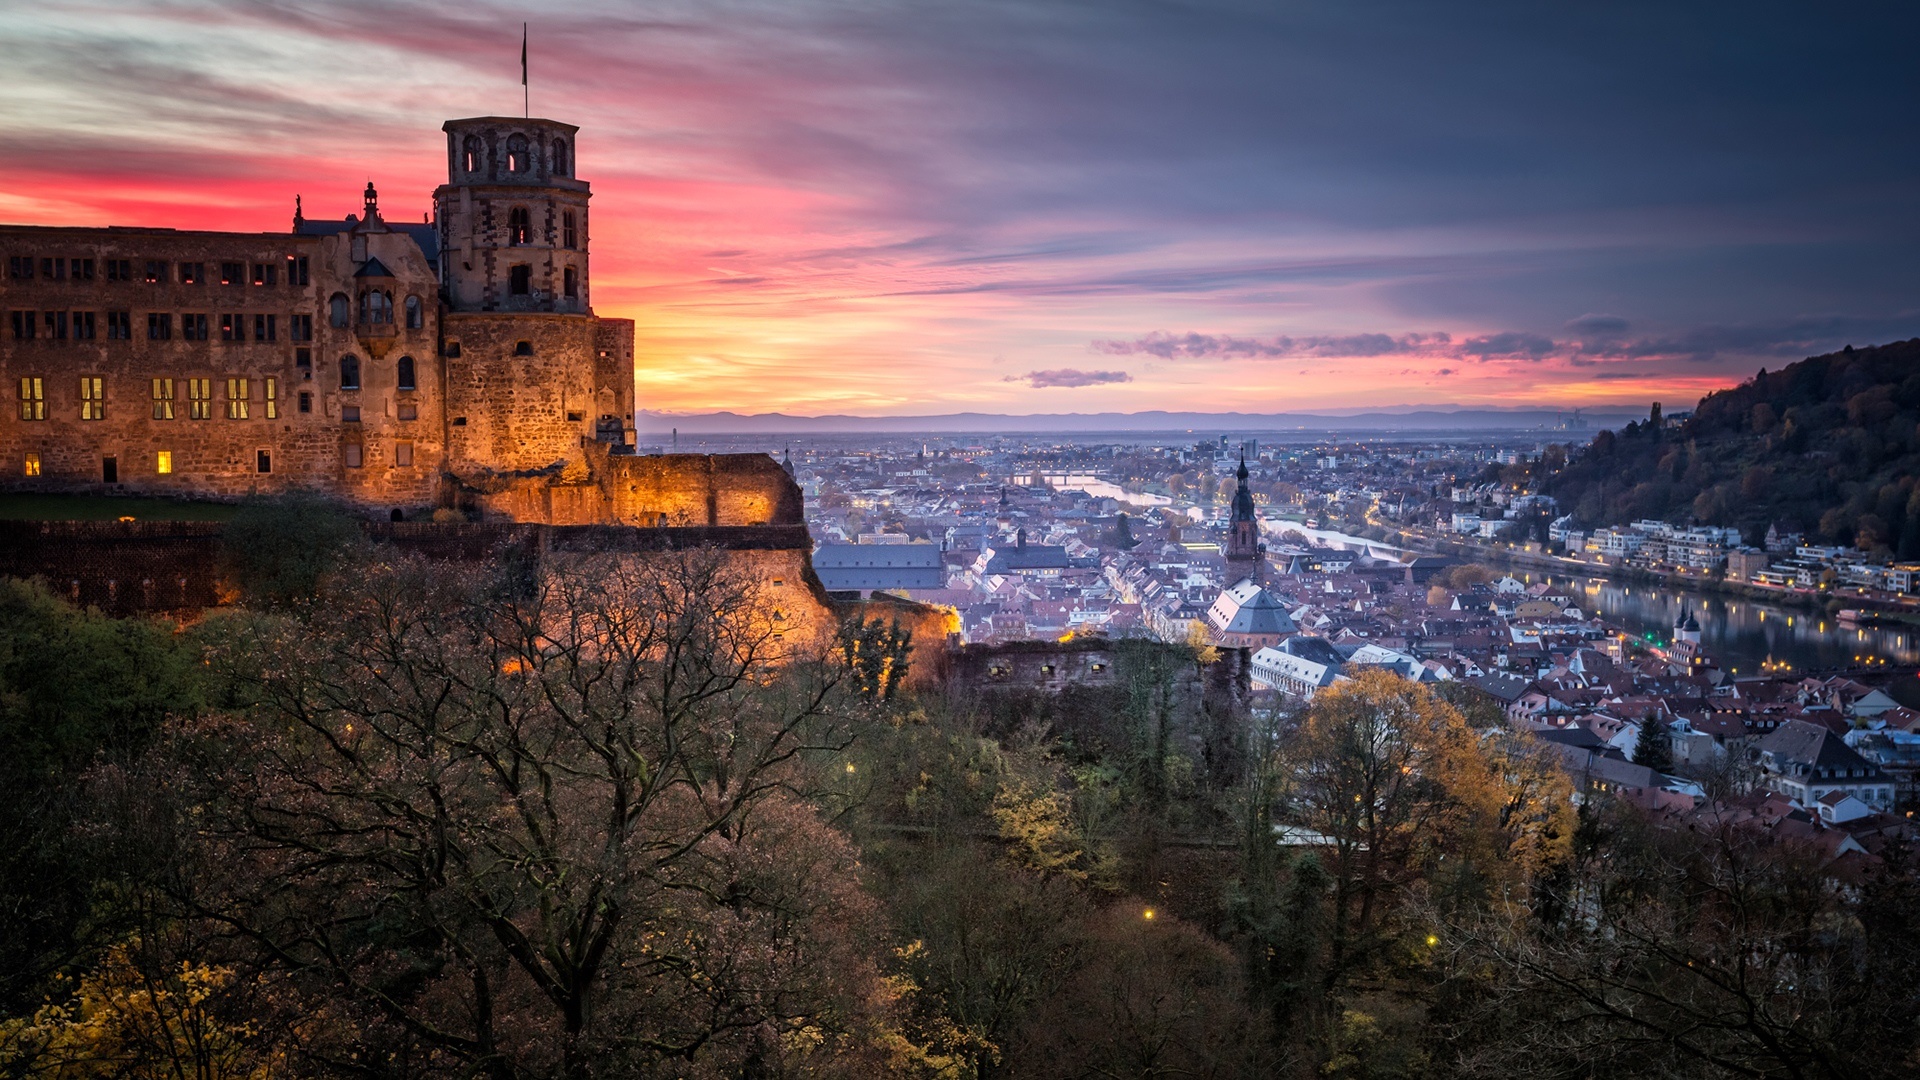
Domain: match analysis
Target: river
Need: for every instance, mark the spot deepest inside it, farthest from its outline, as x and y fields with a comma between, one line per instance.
x=1745, y=637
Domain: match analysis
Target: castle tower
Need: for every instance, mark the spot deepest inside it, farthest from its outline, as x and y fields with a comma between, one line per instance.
x=1243, y=534
x=534, y=380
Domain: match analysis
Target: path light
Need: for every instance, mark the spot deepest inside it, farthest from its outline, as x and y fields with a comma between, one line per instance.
x=1147, y=914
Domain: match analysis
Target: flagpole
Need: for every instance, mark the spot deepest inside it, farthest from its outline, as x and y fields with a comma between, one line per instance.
x=526, y=93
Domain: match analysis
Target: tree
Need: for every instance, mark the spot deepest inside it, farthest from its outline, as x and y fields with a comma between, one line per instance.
x=278, y=551
x=1653, y=747
x=533, y=828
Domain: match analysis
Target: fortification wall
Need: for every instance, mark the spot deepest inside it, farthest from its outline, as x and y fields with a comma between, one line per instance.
x=520, y=394
x=666, y=491
x=120, y=567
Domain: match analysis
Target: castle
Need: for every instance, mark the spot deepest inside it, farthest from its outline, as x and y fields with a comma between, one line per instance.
x=455, y=363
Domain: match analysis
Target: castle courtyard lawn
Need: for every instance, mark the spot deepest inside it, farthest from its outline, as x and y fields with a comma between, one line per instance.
x=109, y=508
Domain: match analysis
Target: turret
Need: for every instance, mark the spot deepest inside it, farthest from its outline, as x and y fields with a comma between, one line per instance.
x=512, y=217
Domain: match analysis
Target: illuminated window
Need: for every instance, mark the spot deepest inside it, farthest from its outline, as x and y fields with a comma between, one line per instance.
x=93, y=398
x=236, y=399
x=163, y=399
x=33, y=463
x=163, y=462
x=475, y=153
x=33, y=400
x=200, y=399
x=517, y=153
x=273, y=398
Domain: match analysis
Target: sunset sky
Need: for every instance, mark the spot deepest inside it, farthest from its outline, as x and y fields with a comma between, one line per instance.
x=1046, y=206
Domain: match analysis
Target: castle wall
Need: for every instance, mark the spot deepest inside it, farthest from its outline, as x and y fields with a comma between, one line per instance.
x=292, y=408
x=520, y=410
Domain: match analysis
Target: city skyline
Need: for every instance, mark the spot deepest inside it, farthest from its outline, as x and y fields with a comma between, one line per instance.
x=1044, y=208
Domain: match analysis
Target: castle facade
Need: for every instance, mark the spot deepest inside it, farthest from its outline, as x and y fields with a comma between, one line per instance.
x=455, y=362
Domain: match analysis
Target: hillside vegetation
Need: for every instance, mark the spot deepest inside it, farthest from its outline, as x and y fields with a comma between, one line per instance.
x=1829, y=446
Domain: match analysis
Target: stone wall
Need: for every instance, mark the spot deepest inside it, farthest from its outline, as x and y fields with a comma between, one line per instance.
x=120, y=567
x=520, y=394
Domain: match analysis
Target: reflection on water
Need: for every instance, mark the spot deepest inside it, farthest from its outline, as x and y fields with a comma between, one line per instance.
x=1742, y=635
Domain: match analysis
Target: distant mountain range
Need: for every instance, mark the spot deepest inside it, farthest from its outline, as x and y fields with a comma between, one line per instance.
x=1413, y=418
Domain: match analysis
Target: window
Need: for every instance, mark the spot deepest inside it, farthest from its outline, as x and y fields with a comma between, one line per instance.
x=407, y=410
x=110, y=469
x=349, y=414
x=523, y=348
x=376, y=307
x=264, y=327
x=403, y=373
x=306, y=402
x=561, y=166
x=83, y=325
x=349, y=373
x=237, y=399
x=303, y=362
x=273, y=398
x=416, y=313
x=296, y=271
x=570, y=283
x=520, y=280
x=23, y=325
x=193, y=327
x=119, y=326
x=33, y=400
x=339, y=311
x=263, y=461
x=233, y=273
x=82, y=269
x=519, y=226
x=233, y=328
x=200, y=399
x=56, y=323
x=163, y=399
x=93, y=398
x=569, y=236
x=156, y=272
x=119, y=269
x=474, y=152
x=20, y=267
x=403, y=453
x=53, y=269
x=163, y=462
x=299, y=328
x=263, y=273
x=517, y=153
x=351, y=452
x=159, y=326
x=33, y=463
x=192, y=273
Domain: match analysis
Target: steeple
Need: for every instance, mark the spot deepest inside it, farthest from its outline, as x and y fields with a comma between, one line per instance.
x=1243, y=530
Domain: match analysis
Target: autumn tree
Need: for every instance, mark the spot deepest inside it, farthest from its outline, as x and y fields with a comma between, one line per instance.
x=542, y=826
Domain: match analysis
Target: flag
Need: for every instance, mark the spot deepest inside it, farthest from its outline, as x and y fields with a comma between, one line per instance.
x=523, y=54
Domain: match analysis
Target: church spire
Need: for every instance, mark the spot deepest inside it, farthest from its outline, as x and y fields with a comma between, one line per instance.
x=1243, y=530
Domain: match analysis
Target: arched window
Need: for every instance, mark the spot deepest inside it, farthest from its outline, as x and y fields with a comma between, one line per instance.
x=349, y=373
x=561, y=166
x=519, y=226
x=517, y=154
x=570, y=283
x=475, y=153
x=376, y=307
x=338, y=311
x=416, y=314
x=403, y=373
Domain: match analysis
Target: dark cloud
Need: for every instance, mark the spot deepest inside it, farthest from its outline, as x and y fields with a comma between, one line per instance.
x=1511, y=345
x=1193, y=346
x=1599, y=326
x=1068, y=377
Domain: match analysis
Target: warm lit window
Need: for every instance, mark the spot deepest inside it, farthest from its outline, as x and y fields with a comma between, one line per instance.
x=33, y=463
x=33, y=399
x=273, y=398
x=163, y=462
x=93, y=398
x=200, y=399
x=236, y=399
x=474, y=153
x=517, y=153
x=163, y=399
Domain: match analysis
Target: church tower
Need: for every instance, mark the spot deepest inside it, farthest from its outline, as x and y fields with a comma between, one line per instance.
x=1243, y=533
x=535, y=382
